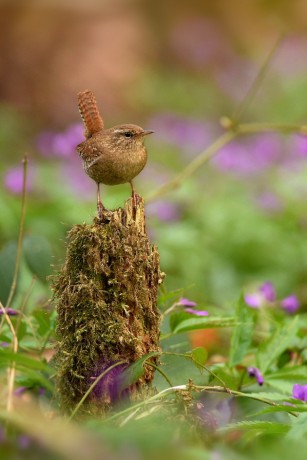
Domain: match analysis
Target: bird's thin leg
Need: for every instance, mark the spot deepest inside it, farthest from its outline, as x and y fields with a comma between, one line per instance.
x=99, y=204
x=133, y=194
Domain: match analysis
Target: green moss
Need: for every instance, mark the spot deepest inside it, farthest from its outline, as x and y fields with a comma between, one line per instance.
x=106, y=297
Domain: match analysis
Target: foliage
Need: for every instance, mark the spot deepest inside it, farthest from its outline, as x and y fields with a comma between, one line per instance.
x=225, y=385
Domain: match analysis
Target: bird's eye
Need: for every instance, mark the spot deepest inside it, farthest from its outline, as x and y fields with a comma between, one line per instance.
x=128, y=134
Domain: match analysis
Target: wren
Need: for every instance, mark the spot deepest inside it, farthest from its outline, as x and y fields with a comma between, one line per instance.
x=110, y=156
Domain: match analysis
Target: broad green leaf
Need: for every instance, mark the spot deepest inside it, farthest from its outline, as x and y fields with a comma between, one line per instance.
x=199, y=356
x=21, y=360
x=243, y=333
x=190, y=324
x=31, y=378
x=7, y=266
x=290, y=373
x=262, y=427
x=43, y=321
x=299, y=428
x=38, y=256
x=132, y=373
x=282, y=408
x=271, y=349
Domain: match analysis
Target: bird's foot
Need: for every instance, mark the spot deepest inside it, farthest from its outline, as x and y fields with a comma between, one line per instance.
x=100, y=209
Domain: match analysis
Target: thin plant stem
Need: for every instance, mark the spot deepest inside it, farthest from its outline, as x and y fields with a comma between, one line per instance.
x=233, y=131
x=96, y=381
x=192, y=167
x=251, y=93
x=20, y=233
x=12, y=370
x=183, y=355
x=161, y=372
x=191, y=387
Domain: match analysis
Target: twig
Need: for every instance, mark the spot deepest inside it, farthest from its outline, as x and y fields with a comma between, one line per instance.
x=20, y=233
x=192, y=167
x=214, y=389
x=12, y=370
x=251, y=93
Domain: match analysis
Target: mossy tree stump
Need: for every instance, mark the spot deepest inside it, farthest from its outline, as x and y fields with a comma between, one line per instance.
x=106, y=296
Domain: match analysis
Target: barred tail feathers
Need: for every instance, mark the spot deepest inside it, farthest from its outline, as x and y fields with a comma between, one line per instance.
x=89, y=113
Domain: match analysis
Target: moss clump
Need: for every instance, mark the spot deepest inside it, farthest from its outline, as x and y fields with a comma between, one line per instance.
x=106, y=296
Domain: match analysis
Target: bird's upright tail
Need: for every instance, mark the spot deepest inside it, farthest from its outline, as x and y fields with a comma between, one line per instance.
x=89, y=113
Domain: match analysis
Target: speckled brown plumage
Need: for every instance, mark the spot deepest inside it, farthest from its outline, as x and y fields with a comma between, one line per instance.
x=110, y=156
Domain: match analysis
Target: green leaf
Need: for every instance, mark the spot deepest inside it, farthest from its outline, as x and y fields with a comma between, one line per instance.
x=43, y=320
x=132, y=373
x=38, y=256
x=290, y=373
x=22, y=361
x=261, y=427
x=299, y=428
x=243, y=333
x=179, y=324
x=7, y=267
x=199, y=356
x=271, y=349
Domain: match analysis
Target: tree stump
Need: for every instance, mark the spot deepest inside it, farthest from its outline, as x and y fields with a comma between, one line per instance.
x=106, y=295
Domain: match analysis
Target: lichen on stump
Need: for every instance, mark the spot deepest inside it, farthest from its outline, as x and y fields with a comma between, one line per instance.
x=106, y=296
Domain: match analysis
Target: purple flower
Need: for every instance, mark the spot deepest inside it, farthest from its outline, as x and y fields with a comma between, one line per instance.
x=196, y=312
x=62, y=144
x=20, y=390
x=265, y=293
x=186, y=302
x=299, y=392
x=191, y=136
x=24, y=441
x=10, y=312
x=4, y=344
x=198, y=42
x=268, y=201
x=291, y=303
x=13, y=179
x=164, y=210
x=250, y=156
x=268, y=291
x=73, y=176
x=255, y=372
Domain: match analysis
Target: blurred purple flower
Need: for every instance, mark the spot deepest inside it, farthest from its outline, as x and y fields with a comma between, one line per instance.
x=20, y=390
x=74, y=177
x=265, y=293
x=164, y=210
x=255, y=372
x=191, y=136
x=267, y=289
x=253, y=300
x=63, y=144
x=196, y=312
x=249, y=156
x=299, y=392
x=235, y=75
x=269, y=201
x=215, y=411
x=186, y=302
x=4, y=344
x=13, y=179
x=291, y=303
x=10, y=312
x=198, y=42
x=24, y=441
x=288, y=61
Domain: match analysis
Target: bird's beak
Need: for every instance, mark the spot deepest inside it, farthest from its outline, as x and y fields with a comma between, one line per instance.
x=145, y=132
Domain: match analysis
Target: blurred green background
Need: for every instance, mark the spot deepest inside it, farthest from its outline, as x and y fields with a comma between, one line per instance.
x=176, y=67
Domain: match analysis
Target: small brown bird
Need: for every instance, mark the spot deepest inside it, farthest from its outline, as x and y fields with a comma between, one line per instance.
x=110, y=156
